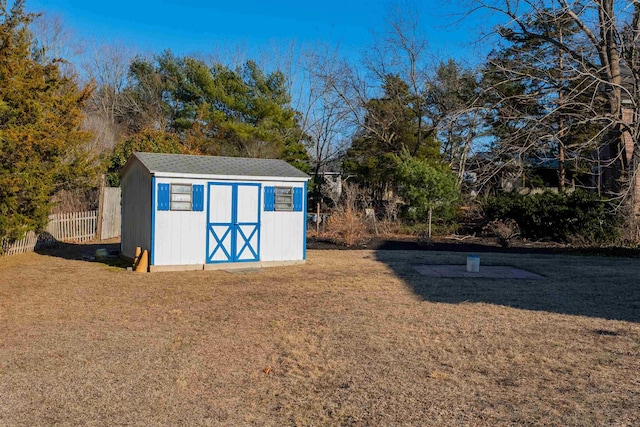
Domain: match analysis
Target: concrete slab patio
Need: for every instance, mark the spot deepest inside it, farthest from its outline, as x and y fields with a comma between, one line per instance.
x=486, y=272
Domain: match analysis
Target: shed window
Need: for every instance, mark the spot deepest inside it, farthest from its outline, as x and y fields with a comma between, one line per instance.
x=181, y=197
x=283, y=199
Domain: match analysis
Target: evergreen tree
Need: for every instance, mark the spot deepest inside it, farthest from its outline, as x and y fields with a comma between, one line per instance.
x=40, y=135
x=425, y=185
x=391, y=127
x=219, y=111
x=149, y=141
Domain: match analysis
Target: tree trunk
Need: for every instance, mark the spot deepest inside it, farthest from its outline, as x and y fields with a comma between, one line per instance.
x=429, y=213
x=561, y=170
x=610, y=57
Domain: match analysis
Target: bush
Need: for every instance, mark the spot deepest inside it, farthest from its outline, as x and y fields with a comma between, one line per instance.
x=347, y=228
x=505, y=231
x=416, y=228
x=426, y=187
x=557, y=217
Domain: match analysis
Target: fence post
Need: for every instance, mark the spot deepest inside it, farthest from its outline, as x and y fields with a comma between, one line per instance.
x=100, y=209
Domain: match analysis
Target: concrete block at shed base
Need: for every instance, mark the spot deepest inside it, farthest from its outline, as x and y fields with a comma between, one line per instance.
x=187, y=267
x=223, y=266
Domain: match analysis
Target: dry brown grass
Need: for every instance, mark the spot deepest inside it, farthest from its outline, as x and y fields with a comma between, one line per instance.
x=350, y=338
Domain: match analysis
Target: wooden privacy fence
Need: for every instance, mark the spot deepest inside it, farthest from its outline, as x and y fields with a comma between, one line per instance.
x=64, y=227
x=111, y=217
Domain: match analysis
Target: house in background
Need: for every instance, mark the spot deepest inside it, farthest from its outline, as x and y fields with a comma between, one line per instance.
x=202, y=212
x=607, y=163
x=629, y=145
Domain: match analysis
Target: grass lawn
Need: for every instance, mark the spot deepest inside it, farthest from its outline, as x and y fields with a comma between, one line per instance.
x=349, y=338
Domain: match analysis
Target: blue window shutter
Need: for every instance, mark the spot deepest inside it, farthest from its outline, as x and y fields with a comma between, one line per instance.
x=269, y=198
x=164, y=195
x=198, y=197
x=297, y=199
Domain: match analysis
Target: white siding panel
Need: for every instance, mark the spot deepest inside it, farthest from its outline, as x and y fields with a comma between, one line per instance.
x=136, y=210
x=282, y=233
x=296, y=236
x=277, y=234
x=180, y=236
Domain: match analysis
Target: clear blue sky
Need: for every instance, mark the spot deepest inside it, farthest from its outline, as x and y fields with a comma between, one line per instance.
x=200, y=26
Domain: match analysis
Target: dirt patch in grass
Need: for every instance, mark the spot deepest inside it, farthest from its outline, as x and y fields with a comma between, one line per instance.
x=349, y=338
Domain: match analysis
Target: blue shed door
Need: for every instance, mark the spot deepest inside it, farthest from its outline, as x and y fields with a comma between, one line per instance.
x=233, y=222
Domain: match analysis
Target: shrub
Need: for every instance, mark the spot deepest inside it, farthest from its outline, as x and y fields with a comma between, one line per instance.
x=415, y=228
x=426, y=187
x=557, y=217
x=347, y=227
x=504, y=230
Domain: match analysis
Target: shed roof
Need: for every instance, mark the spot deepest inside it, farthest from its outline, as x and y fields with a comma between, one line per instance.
x=185, y=164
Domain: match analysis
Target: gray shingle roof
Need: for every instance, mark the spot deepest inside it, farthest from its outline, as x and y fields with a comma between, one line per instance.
x=214, y=165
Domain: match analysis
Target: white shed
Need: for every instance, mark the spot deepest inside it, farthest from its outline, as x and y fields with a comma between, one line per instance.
x=201, y=212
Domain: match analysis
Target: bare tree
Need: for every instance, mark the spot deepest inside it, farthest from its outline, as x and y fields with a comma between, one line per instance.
x=399, y=97
x=324, y=117
x=573, y=57
x=399, y=50
x=402, y=50
x=54, y=41
x=456, y=109
x=107, y=65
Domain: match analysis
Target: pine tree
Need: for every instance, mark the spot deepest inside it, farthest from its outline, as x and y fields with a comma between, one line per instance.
x=391, y=127
x=217, y=110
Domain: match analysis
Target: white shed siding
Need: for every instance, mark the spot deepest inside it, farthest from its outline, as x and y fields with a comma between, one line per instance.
x=282, y=233
x=180, y=236
x=136, y=210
